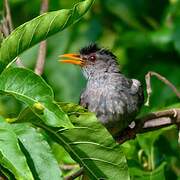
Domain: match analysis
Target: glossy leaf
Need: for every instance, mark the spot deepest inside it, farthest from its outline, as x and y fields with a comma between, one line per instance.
x=46, y=167
x=31, y=89
x=11, y=156
x=88, y=143
x=38, y=29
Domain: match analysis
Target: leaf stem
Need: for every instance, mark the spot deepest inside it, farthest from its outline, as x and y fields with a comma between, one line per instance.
x=8, y=16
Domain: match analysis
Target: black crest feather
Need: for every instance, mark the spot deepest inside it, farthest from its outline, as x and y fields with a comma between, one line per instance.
x=89, y=49
x=92, y=48
x=107, y=52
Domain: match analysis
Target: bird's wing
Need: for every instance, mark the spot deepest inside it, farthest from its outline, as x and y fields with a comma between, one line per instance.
x=137, y=90
x=135, y=86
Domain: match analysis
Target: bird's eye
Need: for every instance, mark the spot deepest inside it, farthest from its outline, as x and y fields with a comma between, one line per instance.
x=92, y=58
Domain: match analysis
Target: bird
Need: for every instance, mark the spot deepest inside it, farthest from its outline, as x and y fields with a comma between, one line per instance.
x=114, y=98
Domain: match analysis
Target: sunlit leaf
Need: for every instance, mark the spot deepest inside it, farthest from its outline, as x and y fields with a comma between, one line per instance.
x=88, y=143
x=11, y=156
x=38, y=29
x=40, y=154
x=31, y=89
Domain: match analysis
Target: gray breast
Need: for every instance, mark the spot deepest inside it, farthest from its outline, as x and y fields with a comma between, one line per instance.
x=114, y=98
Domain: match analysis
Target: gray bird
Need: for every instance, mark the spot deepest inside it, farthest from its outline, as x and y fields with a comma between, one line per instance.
x=114, y=98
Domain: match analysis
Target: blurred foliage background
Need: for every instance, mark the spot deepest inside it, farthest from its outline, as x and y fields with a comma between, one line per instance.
x=145, y=36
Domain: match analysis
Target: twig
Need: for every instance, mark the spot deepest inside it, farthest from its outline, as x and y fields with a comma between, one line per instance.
x=7, y=27
x=8, y=16
x=163, y=79
x=3, y=28
x=43, y=45
x=150, y=122
x=75, y=175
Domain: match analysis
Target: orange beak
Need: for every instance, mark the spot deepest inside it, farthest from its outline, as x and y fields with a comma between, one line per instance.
x=72, y=59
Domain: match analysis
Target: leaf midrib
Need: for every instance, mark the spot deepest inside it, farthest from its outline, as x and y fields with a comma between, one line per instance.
x=61, y=139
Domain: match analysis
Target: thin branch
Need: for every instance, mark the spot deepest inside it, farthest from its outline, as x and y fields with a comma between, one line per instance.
x=44, y=6
x=7, y=26
x=43, y=45
x=75, y=175
x=150, y=122
x=3, y=28
x=163, y=79
x=8, y=16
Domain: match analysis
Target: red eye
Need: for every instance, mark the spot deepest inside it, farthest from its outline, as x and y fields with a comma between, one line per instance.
x=92, y=58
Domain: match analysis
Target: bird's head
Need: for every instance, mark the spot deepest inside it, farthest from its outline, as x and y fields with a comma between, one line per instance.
x=93, y=60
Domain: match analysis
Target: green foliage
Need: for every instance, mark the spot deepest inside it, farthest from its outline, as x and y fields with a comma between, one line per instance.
x=88, y=143
x=38, y=152
x=39, y=135
x=155, y=175
x=31, y=89
x=38, y=29
x=11, y=156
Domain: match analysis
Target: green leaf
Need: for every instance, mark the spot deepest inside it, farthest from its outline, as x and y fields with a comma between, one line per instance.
x=147, y=143
x=38, y=29
x=138, y=174
x=11, y=156
x=46, y=167
x=31, y=89
x=88, y=143
x=6, y=173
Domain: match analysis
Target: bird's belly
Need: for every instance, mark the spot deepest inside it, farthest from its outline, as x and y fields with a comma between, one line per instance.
x=115, y=108
x=114, y=120
x=109, y=108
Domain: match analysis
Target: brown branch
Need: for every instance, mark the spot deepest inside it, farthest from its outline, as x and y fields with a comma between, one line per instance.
x=7, y=26
x=75, y=175
x=43, y=45
x=4, y=28
x=163, y=79
x=8, y=16
x=150, y=122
